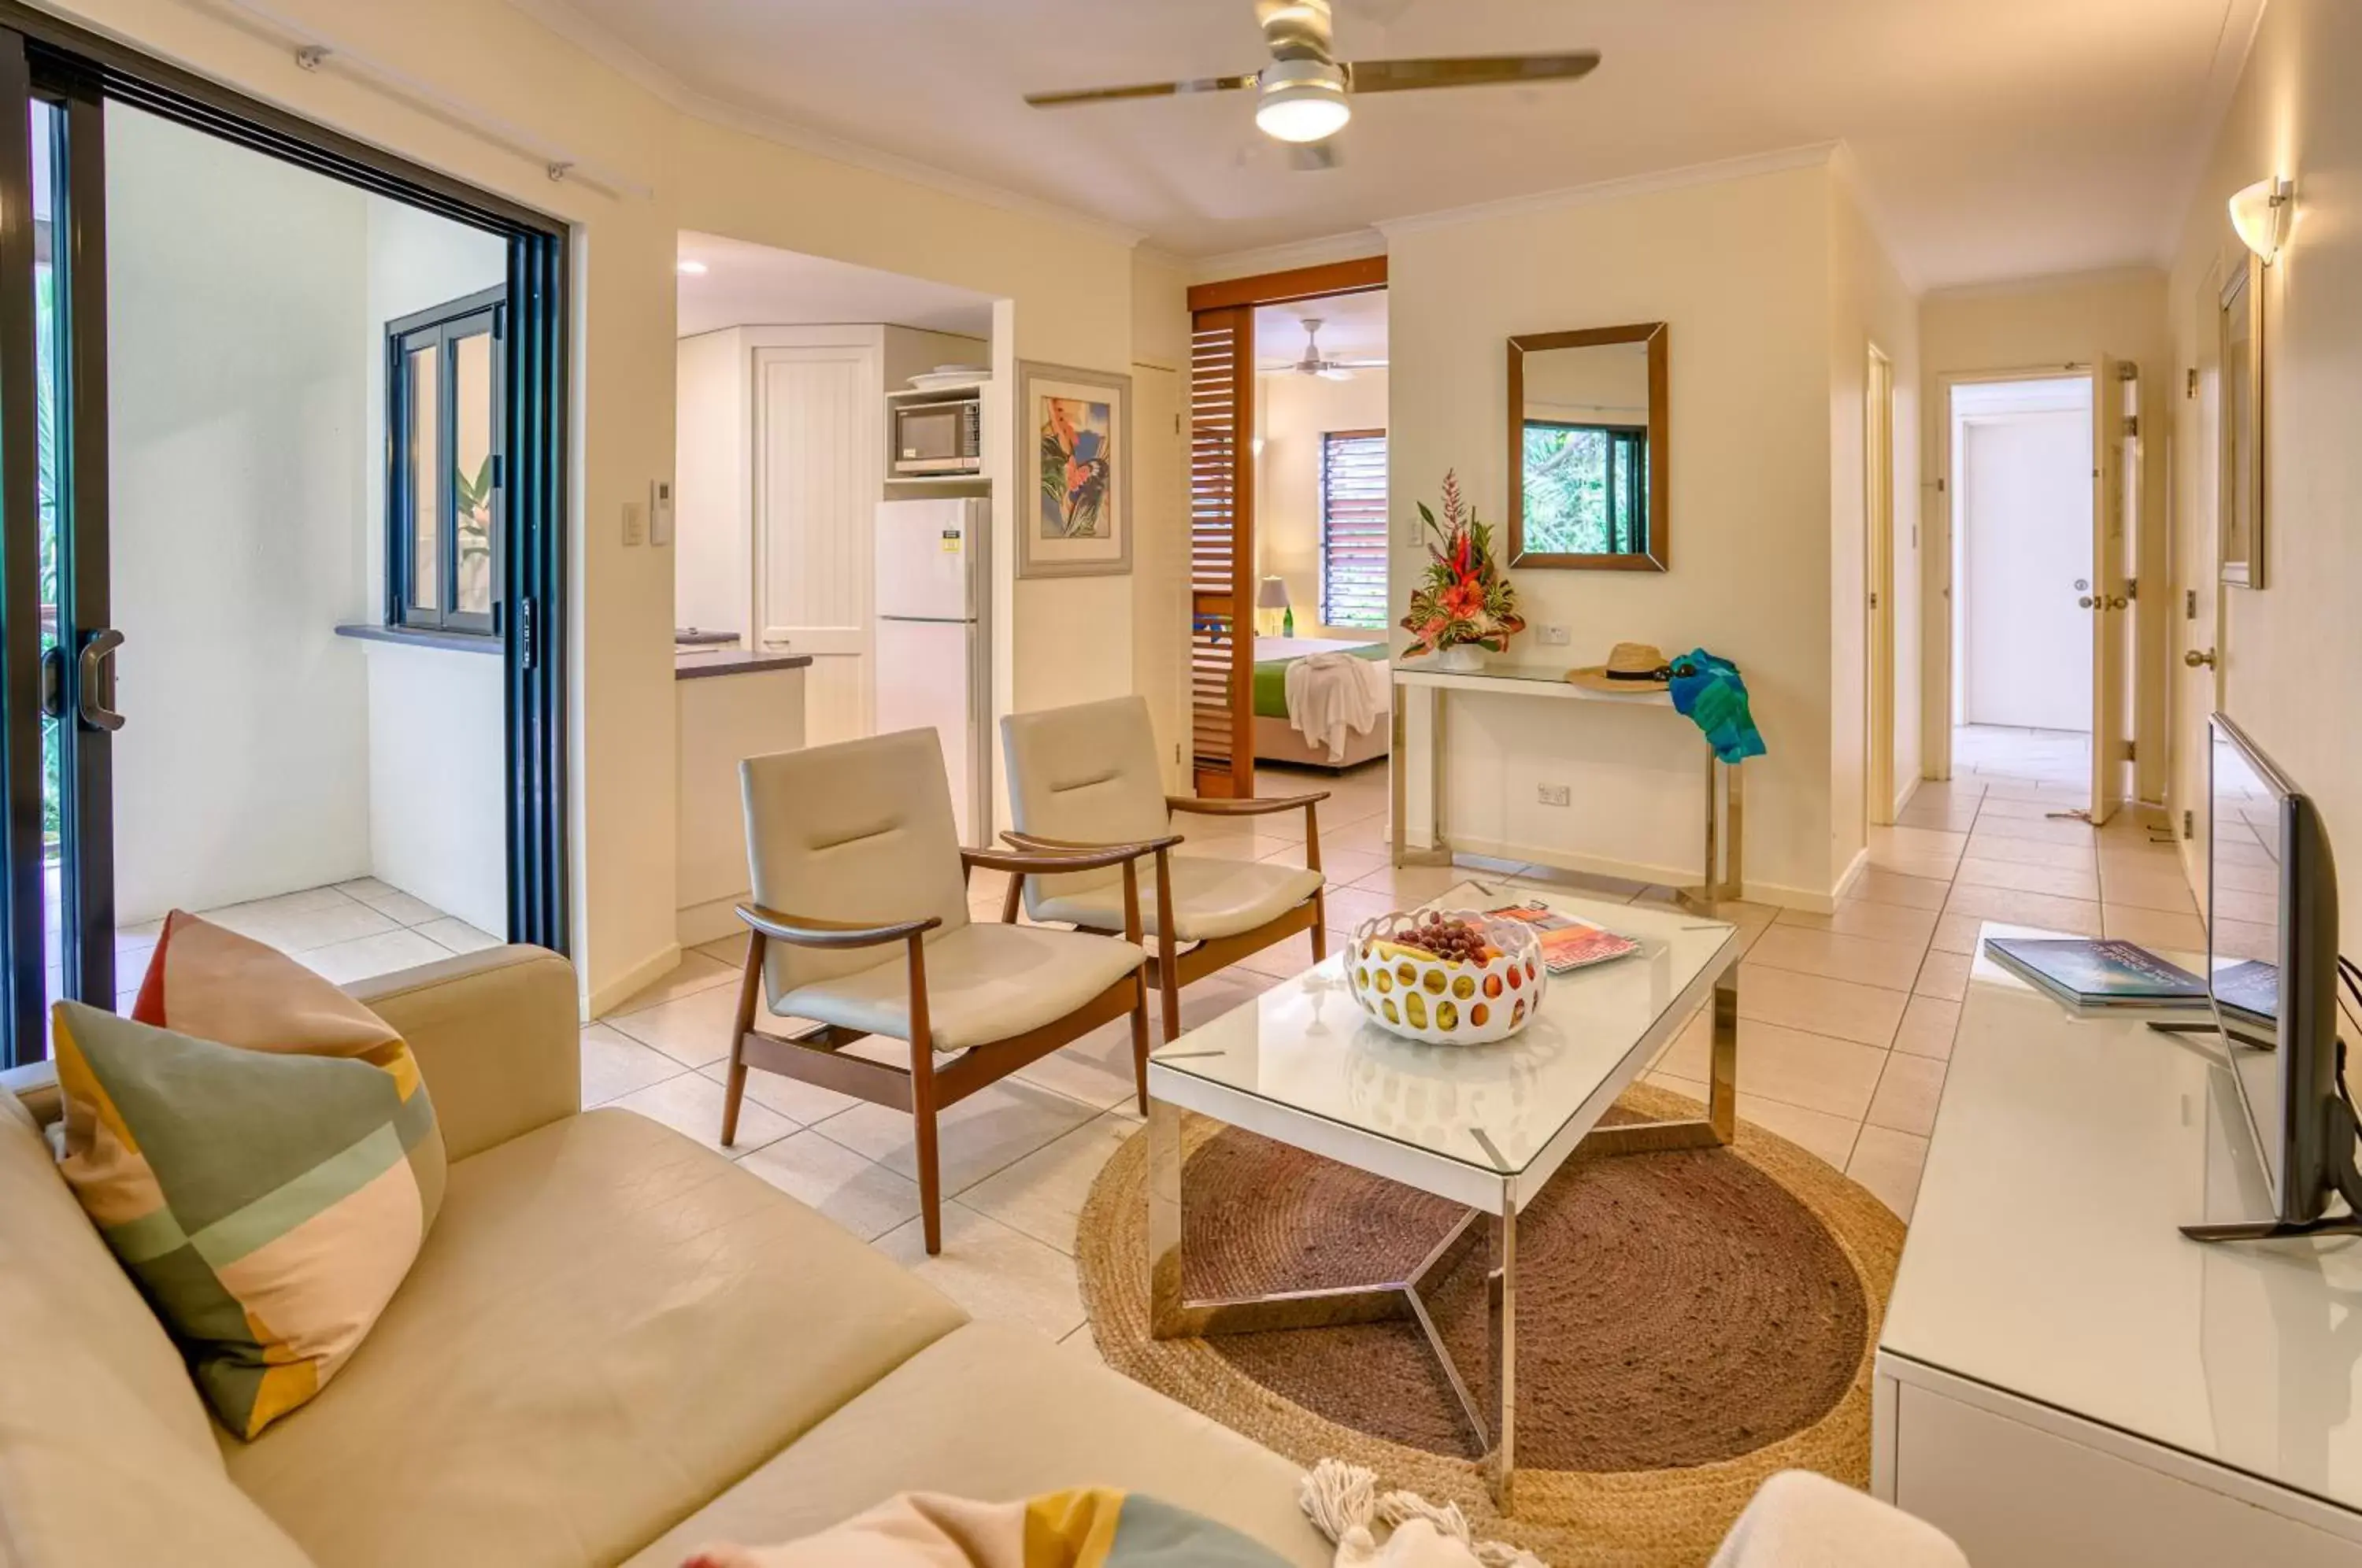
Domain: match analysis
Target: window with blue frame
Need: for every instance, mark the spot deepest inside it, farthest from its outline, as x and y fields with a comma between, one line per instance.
x=444, y=484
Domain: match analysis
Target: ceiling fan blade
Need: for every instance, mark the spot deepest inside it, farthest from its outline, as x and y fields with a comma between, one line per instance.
x=1144, y=90
x=1360, y=364
x=1476, y=71
x=1311, y=157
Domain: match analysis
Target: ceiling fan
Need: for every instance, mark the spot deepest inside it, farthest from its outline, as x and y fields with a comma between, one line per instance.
x=1305, y=95
x=1316, y=363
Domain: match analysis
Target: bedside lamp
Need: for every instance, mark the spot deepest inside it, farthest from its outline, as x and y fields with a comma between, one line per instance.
x=1273, y=617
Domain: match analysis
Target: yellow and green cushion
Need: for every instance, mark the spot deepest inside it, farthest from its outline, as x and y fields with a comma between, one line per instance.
x=269, y=1194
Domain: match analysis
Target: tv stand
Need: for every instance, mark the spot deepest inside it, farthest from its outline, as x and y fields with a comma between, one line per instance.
x=2063, y=1378
x=2341, y=1133
x=2276, y=1229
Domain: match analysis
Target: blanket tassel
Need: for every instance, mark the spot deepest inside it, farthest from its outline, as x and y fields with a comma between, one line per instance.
x=1344, y=1504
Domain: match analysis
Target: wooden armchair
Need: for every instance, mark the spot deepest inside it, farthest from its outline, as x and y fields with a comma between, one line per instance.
x=1087, y=777
x=863, y=830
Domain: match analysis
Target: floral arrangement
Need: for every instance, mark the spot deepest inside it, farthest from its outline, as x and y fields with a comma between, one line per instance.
x=1464, y=601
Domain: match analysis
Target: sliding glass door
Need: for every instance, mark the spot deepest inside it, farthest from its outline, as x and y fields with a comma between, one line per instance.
x=262, y=636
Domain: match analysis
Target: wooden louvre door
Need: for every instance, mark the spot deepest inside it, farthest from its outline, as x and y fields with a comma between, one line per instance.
x=1222, y=551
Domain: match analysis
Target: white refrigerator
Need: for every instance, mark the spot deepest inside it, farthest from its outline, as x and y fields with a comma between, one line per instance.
x=934, y=661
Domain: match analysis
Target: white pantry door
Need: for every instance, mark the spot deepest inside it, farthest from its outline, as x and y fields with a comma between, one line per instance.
x=818, y=442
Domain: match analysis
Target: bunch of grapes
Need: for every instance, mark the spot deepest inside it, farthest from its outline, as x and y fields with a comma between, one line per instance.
x=1453, y=938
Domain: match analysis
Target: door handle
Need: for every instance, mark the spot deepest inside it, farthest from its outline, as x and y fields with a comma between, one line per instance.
x=94, y=685
x=2197, y=660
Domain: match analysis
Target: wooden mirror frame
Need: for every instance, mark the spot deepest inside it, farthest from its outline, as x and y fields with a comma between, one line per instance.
x=2240, y=563
x=1657, y=552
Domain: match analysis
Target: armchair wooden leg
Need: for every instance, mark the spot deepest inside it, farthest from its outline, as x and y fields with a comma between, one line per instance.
x=750, y=991
x=1140, y=1037
x=1319, y=924
x=922, y=1128
x=923, y=1103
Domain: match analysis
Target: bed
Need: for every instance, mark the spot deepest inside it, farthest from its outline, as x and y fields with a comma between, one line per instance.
x=1276, y=740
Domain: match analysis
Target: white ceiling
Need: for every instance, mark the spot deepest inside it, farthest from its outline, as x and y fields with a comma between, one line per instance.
x=1995, y=137
x=755, y=285
x=1352, y=326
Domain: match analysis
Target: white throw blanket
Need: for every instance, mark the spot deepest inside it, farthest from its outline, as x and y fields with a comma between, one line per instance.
x=1331, y=694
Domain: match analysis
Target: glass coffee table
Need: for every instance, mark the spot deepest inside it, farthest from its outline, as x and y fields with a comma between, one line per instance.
x=1486, y=1126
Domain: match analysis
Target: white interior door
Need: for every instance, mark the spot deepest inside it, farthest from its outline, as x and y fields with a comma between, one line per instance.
x=2110, y=622
x=818, y=442
x=2026, y=560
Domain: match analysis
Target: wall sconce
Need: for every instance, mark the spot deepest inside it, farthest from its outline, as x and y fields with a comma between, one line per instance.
x=2261, y=213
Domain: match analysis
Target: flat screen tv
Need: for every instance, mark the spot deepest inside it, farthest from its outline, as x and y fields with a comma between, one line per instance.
x=2272, y=933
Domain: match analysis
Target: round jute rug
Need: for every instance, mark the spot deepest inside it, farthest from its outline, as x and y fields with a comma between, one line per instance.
x=1691, y=1323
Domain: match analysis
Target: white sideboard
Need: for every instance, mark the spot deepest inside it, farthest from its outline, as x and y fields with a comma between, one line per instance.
x=2063, y=1378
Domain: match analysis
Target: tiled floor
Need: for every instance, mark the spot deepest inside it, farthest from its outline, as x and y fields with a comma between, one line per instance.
x=349, y=931
x=2064, y=755
x=1847, y=1021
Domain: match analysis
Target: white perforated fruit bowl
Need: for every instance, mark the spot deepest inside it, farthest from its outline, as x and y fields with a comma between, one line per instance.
x=1447, y=999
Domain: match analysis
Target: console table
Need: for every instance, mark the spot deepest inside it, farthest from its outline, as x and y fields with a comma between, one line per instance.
x=2062, y=1377
x=1724, y=858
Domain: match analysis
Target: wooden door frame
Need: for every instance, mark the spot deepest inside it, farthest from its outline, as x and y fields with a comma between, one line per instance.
x=1877, y=573
x=1937, y=633
x=1230, y=305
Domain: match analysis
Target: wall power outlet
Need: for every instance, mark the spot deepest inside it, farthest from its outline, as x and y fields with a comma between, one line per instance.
x=1552, y=795
x=1552, y=637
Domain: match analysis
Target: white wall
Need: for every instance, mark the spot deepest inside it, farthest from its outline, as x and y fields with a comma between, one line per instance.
x=438, y=795
x=1160, y=560
x=1292, y=413
x=236, y=378
x=1741, y=271
x=1872, y=306
x=2291, y=652
x=713, y=550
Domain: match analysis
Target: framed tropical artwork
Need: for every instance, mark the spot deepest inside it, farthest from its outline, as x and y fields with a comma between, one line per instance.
x=1074, y=472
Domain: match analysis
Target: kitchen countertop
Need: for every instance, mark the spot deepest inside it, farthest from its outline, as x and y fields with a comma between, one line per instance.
x=695, y=664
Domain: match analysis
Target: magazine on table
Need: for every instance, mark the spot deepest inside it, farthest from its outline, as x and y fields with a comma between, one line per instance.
x=2098, y=974
x=1567, y=943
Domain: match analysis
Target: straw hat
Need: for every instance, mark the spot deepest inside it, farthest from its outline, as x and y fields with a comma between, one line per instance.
x=1631, y=667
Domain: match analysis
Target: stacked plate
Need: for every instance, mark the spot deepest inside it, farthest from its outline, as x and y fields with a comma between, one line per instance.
x=944, y=378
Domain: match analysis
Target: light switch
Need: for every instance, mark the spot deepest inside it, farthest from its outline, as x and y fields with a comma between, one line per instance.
x=660, y=512
x=635, y=522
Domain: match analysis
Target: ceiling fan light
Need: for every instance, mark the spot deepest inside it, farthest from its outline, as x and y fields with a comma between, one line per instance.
x=1303, y=100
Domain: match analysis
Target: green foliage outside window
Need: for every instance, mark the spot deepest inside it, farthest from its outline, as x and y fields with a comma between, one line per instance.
x=1586, y=489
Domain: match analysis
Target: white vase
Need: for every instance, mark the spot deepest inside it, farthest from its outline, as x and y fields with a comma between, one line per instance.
x=1461, y=658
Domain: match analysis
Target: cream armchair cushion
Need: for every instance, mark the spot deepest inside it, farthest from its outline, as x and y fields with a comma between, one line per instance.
x=985, y=982
x=860, y=832
x=1211, y=897
x=1088, y=774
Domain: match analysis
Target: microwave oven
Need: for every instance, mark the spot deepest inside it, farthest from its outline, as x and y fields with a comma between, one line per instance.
x=939, y=438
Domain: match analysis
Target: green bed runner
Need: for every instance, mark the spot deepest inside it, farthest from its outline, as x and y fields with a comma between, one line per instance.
x=1271, y=678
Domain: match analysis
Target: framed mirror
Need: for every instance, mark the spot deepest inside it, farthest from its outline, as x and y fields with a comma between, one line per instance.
x=2240, y=549
x=1589, y=449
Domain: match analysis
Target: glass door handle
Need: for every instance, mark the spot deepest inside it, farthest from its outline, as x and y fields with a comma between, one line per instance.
x=96, y=675
x=53, y=682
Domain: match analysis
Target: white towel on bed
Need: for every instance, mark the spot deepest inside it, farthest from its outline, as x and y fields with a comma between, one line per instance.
x=1331, y=694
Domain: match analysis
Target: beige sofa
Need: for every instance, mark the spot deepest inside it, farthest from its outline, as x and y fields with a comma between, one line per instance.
x=614, y=1346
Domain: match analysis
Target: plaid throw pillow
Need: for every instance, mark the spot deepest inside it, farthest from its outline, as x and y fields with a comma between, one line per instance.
x=265, y=1165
